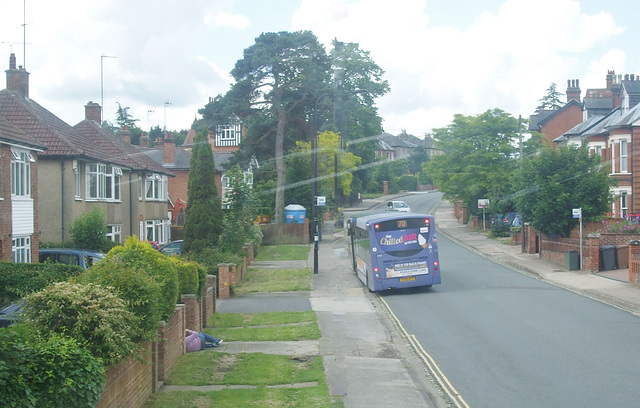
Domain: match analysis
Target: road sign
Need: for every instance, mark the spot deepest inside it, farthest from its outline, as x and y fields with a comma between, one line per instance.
x=577, y=213
x=321, y=201
x=483, y=202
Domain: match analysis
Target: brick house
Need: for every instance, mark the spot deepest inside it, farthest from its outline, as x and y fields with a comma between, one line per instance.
x=612, y=130
x=554, y=123
x=18, y=194
x=85, y=166
x=225, y=141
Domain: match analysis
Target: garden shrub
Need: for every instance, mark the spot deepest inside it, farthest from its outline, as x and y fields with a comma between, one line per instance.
x=89, y=231
x=20, y=279
x=408, y=182
x=91, y=314
x=188, y=278
x=53, y=371
x=211, y=257
x=145, y=278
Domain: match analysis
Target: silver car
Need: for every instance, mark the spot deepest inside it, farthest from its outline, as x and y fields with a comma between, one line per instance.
x=400, y=206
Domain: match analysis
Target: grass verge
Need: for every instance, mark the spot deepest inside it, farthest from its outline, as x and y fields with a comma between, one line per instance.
x=272, y=326
x=283, y=253
x=274, y=280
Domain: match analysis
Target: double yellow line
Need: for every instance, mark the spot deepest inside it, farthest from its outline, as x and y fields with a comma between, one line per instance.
x=433, y=368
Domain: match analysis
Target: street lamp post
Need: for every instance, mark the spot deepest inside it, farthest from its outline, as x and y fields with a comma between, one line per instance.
x=314, y=169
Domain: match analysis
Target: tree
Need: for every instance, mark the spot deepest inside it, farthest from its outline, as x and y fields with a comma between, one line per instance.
x=478, y=159
x=124, y=118
x=278, y=79
x=203, y=215
x=89, y=231
x=555, y=181
x=551, y=101
x=299, y=165
x=238, y=226
x=360, y=82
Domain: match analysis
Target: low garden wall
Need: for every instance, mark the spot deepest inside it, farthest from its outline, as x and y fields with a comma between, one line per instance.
x=130, y=383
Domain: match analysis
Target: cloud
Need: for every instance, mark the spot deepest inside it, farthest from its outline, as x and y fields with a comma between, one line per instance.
x=503, y=59
x=226, y=19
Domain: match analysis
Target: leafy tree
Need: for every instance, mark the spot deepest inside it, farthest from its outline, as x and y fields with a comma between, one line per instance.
x=551, y=101
x=278, y=80
x=299, y=164
x=238, y=221
x=89, y=231
x=478, y=158
x=356, y=116
x=557, y=180
x=124, y=118
x=203, y=215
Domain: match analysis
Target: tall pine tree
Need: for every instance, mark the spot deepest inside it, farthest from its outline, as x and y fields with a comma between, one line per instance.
x=203, y=216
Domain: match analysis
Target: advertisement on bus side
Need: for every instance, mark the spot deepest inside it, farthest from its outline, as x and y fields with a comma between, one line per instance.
x=401, y=269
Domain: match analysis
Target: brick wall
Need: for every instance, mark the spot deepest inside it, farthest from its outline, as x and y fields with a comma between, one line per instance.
x=130, y=383
x=634, y=261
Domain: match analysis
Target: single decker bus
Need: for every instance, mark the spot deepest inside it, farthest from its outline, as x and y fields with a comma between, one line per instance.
x=394, y=251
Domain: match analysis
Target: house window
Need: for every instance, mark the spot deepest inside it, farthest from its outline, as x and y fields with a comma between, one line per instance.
x=114, y=233
x=156, y=230
x=140, y=187
x=78, y=180
x=103, y=182
x=623, y=156
x=623, y=205
x=228, y=132
x=225, y=181
x=156, y=187
x=248, y=178
x=21, y=249
x=21, y=173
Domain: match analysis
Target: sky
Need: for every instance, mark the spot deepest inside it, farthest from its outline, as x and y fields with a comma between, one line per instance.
x=164, y=59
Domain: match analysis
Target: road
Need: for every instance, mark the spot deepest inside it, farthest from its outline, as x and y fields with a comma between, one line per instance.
x=504, y=339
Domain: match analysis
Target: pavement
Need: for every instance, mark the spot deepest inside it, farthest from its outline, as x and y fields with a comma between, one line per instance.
x=369, y=360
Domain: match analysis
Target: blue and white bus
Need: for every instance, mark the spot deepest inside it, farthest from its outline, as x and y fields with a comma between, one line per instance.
x=395, y=251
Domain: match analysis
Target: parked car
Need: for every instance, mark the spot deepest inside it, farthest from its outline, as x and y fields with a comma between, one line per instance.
x=400, y=206
x=84, y=258
x=172, y=248
x=10, y=314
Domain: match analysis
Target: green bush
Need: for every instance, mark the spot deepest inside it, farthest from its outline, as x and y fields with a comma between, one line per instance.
x=188, y=278
x=54, y=371
x=90, y=314
x=211, y=257
x=145, y=278
x=89, y=231
x=408, y=182
x=20, y=279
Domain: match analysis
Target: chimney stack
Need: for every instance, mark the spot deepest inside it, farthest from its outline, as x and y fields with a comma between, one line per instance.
x=124, y=133
x=169, y=147
x=17, y=78
x=93, y=111
x=144, y=140
x=573, y=89
x=611, y=78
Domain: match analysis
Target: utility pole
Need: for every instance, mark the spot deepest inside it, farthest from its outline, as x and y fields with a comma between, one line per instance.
x=522, y=244
x=102, y=57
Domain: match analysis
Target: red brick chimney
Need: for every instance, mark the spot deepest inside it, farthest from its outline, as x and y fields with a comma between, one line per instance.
x=573, y=89
x=144, y=140
x=125, y=134
x=17, y=78
x=611, y=78
x=93, y=111
x=169, y=148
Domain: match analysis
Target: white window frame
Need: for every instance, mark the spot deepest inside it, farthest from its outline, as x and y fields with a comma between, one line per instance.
x=624, y=202
x=103, y=182
x=225, y=181
x=156, y=187
x=156, y=230
x=78, y=180
x=21, y=249
x=21, y=173
x=624, y=152
x=229, y=131
x=114, y=233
